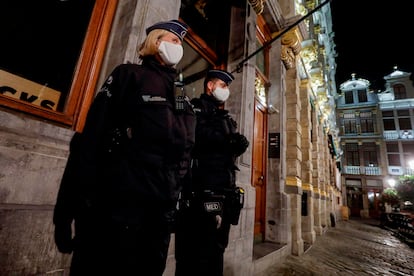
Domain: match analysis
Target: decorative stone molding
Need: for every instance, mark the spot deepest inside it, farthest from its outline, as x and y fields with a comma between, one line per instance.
x=291, y=46
x=309, y=52
x=257, y=5
x=310, y=4
x=287, y=57
x=293, y=181
x=307, y=187
x=300, y=8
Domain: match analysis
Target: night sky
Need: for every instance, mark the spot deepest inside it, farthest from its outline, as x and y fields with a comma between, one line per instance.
x=371, y=38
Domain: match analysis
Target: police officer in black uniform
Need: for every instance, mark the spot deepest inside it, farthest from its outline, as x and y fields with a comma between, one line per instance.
x=211, y=202
x=124, y=172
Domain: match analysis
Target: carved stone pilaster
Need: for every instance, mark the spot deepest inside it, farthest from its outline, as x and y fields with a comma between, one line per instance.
x=291, y=46
x=257, y=5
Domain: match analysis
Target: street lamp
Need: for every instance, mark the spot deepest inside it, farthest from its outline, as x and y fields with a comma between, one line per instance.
x=391, y=182
x=411, y=164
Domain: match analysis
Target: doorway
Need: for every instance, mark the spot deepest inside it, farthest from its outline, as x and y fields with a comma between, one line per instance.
x=373, y=201
x=259, y=170
x=354, y=200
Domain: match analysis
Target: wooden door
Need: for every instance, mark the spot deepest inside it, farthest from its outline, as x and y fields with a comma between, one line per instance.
x=373, y=202
x=259, y=179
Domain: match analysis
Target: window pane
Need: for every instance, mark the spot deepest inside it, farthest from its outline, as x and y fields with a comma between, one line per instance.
x=349, y=115
x=392, y=147
x=352, y=154
x=370, y=154
x=394, y=160
x=387, y=114
x=362, y=96
x=408, y=148
x=193, y=67
x=367, y=125
x=405, y=123
x=399, y=91
x=350, y=126
x=260, y=59
x=365, y=114
x=349, y=98
x=41, y=44
x=389, y=124
x=208, y=19
x=403, y=112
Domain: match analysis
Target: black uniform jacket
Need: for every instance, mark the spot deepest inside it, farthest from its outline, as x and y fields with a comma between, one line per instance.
x=214, y=156
x=134, y=149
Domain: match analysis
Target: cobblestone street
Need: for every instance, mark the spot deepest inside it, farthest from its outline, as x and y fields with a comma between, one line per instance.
x=353, y=247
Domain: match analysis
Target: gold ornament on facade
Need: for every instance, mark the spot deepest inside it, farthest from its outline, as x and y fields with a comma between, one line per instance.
x=316, y=79
x=288, y=57
x=293, y=181
x=311, y=4
x=291, y=39
x=317, y=29
x=200, y=5
x=291, y=47
x=300, y=8
x=322, y=98
x=307, y=187
x=309, y=54
x=260, y=90
x=308, y=44
x=257, y=5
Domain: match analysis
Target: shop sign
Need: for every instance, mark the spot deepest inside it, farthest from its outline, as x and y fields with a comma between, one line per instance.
x=28, y=91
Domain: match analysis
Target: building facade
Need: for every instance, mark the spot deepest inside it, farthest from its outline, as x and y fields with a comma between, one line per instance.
x=376, y=139
x=282, y=55
x=361, y=141
x=395, y=105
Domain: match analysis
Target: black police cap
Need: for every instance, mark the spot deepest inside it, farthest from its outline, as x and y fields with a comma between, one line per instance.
x=174, y=26
x=221, y=74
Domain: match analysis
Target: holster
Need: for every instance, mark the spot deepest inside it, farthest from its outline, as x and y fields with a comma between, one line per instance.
x=234, y=202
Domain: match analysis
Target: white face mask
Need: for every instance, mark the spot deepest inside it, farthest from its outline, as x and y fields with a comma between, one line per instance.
x=170, y=53
x=221, y=94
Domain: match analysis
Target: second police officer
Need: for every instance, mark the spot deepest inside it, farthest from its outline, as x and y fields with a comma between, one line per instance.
x=212, y=202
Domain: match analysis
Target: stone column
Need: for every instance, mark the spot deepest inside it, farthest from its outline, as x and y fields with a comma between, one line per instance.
x=293, y=149
x=308, y=232
x=277, y=201
x=322, y=185
x=316, y=174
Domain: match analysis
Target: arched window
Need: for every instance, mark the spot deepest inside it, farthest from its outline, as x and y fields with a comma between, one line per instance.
x=399, y=91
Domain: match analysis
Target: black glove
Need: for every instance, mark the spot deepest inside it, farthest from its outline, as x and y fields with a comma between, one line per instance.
x=170, y=218
x=233, y=123
x=238, y=143
x=63, y=237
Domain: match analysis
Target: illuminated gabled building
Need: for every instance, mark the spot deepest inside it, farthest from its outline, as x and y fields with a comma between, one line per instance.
x=376, y=132
x=396, y=107
x=361, y=143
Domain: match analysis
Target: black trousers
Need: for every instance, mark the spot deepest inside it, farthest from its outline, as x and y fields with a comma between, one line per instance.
x=122, y=249
x=199, y=245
